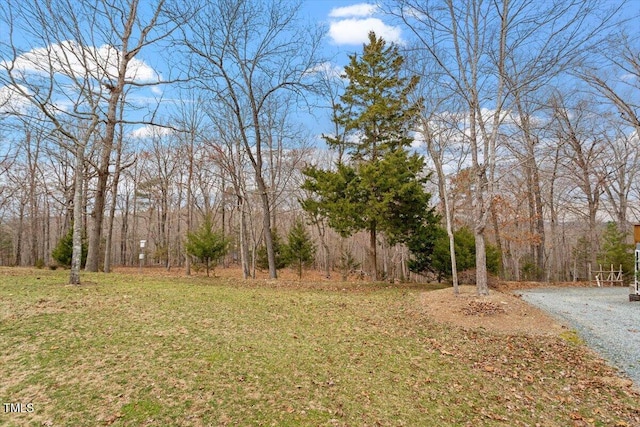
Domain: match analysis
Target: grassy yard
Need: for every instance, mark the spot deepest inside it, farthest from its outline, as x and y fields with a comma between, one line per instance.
x=131, y=350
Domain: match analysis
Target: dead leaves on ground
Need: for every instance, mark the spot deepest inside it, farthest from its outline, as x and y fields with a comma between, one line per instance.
x=482, y=308
x=556, y=381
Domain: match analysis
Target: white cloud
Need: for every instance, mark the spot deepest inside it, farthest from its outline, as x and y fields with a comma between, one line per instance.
x=150, y=131
x=356, y=31
x=360, y=9
x=351, y=25
x=76, y=61
x=12, y=101
x=327, y=69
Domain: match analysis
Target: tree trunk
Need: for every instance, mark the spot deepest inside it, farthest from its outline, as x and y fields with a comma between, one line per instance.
x=19, y=233
x=481, y=262
x=97, y=215
x=32, y=155
x=536, y=212
x=327, y=260
x=224, y=216
x=46, y=233
x=124, y=231
x=268, y=237
x=539, y=220
x=134, y=228
x=373, y=251
x=436, y=157
x=111, y=120
x=112, y=209
x=76, y=257
x=496, y=230
x=187, y=257
x=452, y=244
x=479, y=208
x=165, y=228
x=325, y=247
x=108, y=237
x=244, y=246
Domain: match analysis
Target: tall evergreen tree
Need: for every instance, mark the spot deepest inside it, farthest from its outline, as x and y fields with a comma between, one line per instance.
x=380, y=186
x=375, y=110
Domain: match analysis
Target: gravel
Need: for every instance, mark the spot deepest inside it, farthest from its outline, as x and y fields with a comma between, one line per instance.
x=603, y=317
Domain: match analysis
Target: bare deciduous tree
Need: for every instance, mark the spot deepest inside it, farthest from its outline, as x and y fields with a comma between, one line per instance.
x=76, y=75
x=54, y=72
x=581, y=136
x=497, y=54
x=620, y=81
x=615, y=75
x=246, y=53
x=474, y=67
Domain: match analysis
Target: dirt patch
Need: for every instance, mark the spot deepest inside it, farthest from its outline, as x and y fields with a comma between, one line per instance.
x=500, y=312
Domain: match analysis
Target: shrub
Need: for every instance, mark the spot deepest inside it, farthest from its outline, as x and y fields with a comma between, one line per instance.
x=262, y=261
x=465, y=247
x=299, y=251
x=616, y=251
x=63, y=251
x=206, y=244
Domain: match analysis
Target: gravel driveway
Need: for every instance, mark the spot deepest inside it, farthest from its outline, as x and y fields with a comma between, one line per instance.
x=604, y=317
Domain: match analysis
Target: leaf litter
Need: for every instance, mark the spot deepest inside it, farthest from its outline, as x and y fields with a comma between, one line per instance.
x=207, y=352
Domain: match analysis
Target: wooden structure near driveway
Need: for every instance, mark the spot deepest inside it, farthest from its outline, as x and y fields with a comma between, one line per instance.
x=609, y=277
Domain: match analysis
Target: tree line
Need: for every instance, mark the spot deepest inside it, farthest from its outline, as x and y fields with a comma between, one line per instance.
x=511, y=123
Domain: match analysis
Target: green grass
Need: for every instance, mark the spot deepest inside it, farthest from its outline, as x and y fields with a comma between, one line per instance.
x=128, y=350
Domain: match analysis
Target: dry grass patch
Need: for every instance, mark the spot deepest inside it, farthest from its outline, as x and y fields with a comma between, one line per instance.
x=134, y=350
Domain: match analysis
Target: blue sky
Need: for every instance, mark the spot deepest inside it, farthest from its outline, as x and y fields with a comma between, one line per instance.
x=347, y=24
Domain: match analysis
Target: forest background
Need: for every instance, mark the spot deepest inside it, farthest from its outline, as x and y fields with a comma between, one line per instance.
x=133, y=121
